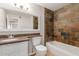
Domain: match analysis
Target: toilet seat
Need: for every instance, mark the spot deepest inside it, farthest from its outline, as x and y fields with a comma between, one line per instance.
x=41, y=48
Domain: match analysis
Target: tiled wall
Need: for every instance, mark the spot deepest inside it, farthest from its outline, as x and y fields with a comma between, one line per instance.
x=66, y=24
x=49, y=25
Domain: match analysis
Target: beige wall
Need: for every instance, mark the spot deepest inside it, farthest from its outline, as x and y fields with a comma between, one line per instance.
x=38, y=11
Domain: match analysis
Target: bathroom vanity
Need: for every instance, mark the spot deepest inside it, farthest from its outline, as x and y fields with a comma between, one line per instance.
x=14, y=47
x=16, y=29
x=20, y=45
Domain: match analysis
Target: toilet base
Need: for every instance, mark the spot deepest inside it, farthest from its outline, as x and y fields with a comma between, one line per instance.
x=41, y=51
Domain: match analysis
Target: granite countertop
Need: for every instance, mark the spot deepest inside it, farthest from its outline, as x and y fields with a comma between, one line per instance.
x=17, y=38
x=14, y=40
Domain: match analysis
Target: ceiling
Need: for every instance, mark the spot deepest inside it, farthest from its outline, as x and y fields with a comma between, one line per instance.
x=53, y=6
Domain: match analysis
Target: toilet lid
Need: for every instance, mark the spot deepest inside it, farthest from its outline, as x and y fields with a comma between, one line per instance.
x=41, y=48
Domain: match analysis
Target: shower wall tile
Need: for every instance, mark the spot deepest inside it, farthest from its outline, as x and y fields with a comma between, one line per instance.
x=67, y=19
x=49, y=25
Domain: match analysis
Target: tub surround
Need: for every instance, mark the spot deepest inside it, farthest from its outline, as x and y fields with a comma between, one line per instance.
x=49, y=25
x=66, y=24
x=60, y=49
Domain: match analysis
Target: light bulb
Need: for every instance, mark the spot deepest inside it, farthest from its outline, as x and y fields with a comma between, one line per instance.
x=21, y=6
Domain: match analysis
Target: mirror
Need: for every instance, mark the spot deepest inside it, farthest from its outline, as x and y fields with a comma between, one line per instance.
x=17, y=21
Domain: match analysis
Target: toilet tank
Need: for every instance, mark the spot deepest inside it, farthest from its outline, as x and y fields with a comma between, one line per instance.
x=36, y=40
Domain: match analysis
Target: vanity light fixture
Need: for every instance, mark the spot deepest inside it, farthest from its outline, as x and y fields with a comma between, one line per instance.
x=21, y=6
x=15, y=4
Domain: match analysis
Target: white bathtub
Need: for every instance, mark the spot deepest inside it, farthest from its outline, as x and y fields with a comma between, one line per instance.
x=61, y=49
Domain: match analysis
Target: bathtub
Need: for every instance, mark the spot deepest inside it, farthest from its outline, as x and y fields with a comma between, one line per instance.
x=61, y=49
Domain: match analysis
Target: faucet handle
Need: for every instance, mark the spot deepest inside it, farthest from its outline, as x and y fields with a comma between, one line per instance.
x=11, y=36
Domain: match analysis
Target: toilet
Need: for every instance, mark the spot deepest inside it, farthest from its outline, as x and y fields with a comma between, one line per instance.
x=41, y=50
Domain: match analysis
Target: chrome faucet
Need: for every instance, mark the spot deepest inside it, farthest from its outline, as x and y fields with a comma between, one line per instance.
x=11, y=36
